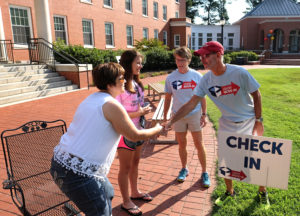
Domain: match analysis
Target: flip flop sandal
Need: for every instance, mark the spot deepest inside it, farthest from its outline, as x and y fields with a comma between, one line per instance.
x=145, y=198
x=130, y=211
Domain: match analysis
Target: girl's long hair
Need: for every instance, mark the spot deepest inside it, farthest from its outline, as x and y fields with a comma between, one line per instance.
x=126, y=60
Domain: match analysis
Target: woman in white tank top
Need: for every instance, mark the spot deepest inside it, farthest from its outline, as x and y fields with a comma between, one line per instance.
x=85, y=153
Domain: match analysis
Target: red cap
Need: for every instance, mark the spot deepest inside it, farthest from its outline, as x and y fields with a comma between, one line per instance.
x=210, y=47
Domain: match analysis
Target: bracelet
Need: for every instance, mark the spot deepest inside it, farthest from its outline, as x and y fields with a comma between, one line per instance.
x=204, y=114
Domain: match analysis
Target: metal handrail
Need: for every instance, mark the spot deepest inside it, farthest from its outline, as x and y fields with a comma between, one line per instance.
x=5, y=52
x=42, y=51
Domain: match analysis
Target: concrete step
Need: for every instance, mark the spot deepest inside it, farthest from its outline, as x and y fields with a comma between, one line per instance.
x=16, y=91
x=21, y=67
x=27, y=78
x=31, y=83
x=23, y=73
x=36, y=94
x=282, y=61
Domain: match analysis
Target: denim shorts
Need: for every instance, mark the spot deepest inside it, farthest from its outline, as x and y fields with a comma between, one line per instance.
x=93, y=197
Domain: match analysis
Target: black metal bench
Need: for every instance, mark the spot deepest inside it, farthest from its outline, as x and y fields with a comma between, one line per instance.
x=27, y=151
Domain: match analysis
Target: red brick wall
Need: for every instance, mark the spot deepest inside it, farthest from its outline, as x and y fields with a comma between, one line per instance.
x=251, y=28
x=81, y=81
x=75, y=11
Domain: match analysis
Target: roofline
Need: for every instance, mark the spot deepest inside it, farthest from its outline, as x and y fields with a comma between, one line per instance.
x=253, y=17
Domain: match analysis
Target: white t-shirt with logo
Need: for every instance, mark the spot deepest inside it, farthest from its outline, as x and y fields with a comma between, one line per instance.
x=182, y=87
x=230, y=92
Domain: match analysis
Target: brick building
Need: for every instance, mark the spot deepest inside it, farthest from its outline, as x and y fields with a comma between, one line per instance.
x=103, y=24
x=274, y=25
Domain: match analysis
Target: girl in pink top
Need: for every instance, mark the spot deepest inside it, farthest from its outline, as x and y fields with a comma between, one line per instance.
x=130, y=152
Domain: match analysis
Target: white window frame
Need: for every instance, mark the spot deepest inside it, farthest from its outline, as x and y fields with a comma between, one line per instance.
x=29, y=23
x=193, y=41
x=156, y=33
x=146, y=30
x=108, y=5
x=165, y=37
x=92, y=33
x=211, y=37
x=112, y=33
x=176, y=14
x=129, y=45
x=145, y=14
x=65, y=24
x=176, y=40
x=155, y=3
x=165, y=13
x=86, y=1
x=200, y=36
x=130, y=3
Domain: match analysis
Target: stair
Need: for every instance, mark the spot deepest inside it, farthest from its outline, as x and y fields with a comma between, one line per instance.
x=19, y=83
x=283, y=59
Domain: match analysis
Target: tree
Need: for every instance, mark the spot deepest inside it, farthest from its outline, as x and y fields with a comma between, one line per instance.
x=222, y=11
x=192, y=7
x=211, y=9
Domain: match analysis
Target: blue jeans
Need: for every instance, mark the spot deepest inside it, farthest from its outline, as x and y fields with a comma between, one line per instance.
x=93, y=197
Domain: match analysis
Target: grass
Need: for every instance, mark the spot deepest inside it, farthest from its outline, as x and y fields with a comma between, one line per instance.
x=280, y=89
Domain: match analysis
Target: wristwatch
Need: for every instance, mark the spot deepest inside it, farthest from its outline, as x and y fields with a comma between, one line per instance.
x=259, y=119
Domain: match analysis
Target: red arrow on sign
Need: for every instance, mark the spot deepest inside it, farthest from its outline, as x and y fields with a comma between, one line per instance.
x=230, y=89
x=235, y=174
x=189, y=85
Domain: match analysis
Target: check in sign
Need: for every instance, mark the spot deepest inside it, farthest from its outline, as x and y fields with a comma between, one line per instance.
x=256, y=160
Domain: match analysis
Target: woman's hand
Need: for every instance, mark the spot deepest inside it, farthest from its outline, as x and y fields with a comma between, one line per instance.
x=145, y=110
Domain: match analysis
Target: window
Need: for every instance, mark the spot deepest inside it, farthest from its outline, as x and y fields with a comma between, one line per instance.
x=209, y=37
x=155, y=10
x=128, y=5
x=87, y=29
x=176, y=40
x=21, y=26
x=230, y=41
x=200, y=40
x=107, y=3
x=60, y=28
x=109, y=34
x=129, y=33
x=165, y=13
x=193, y=41
x=219, y=37
x=177, y=14
x=165, y=37
x=145, y=33
x=145, y=7
x=86, y=1
x=156, y=33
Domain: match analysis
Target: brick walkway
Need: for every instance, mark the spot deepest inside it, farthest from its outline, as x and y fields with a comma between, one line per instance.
x=159, y=164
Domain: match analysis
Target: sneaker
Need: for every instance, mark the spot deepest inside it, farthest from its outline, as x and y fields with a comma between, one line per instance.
x=205, y=180
x=222, y=199
x=264, y=199
x=184, y=172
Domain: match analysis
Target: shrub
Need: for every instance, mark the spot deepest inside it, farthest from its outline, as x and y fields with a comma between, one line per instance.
x=85, y=55
x=157, y=59
x=145, y=45
x=252, y=56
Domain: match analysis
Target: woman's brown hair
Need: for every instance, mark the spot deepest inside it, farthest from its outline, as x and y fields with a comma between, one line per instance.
x=126, y=60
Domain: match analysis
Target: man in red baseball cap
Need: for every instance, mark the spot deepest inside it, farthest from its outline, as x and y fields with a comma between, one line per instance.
x=236, y=94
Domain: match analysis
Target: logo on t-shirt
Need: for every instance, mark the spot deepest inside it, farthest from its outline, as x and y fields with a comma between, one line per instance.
x=218, y=91
x=178, y=84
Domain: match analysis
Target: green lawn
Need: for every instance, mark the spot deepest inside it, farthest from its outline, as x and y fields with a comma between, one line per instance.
x=280, y=89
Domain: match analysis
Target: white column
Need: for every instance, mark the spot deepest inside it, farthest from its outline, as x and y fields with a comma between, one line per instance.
x=42, y=17
x=2, y=36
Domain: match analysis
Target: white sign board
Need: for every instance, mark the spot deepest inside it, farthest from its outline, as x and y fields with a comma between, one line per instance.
x=256, y=160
